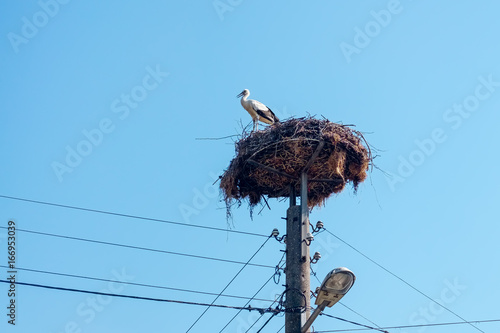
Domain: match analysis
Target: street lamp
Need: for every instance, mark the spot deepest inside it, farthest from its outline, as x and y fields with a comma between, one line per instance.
x=336, y=284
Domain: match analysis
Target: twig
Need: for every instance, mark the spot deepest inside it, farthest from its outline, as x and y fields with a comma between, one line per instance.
x=269, y=168
x=224, y=137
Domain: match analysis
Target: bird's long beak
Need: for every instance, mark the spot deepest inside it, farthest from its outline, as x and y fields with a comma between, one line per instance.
x=241, y=94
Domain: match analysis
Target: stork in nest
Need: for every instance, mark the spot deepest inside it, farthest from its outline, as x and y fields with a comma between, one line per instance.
x=257, y=110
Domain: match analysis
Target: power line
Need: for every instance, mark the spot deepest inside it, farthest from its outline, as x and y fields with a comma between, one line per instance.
x=359, y=314
x=229, y=283
x=139, y=248
x=267, y=322
x=135, y=284
x=131, y=216
x=248, y=301
x=139, y=297
x=280, y=308
x=402, y=280
x=249, y=308
x=354, y=323
x=412, y=326
x=253, y=297
x=255, y=322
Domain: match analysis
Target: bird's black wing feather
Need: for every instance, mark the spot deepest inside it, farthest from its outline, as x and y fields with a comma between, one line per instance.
x=276, y=120
x=263, y=115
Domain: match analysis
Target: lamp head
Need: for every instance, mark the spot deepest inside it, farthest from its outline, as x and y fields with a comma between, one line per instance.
x=336, y=284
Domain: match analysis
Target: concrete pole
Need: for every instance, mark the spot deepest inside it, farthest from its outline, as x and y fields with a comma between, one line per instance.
x=298, y=283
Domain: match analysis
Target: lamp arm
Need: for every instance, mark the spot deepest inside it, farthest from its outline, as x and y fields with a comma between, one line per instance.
x=313, y=317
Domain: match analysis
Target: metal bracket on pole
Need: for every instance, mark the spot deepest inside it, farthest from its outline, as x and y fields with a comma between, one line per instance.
x=305, y=247
x=304, y=220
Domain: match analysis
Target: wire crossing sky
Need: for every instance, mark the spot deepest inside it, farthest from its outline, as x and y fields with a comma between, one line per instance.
x=119, y=118
x=138, y=297
x=130, y=216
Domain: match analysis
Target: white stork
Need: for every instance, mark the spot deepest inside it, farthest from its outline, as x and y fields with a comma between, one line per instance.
x=257, y=110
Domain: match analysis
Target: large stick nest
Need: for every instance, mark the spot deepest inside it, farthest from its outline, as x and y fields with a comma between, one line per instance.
x=270, y=162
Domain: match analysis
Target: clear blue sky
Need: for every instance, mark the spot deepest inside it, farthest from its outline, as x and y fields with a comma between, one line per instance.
x=101, y=107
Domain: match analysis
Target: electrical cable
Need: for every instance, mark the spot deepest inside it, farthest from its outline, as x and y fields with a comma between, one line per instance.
x=256, y=293
x=261, y=310
x=229, y=283
x=135, y=284
x=267, y=322
x=139, y=248
x=209, y=258
x=131, y=216
x=277, y=272
x=255, y=322
x=138, y=297
x=354, y=323
x=402, y=280
x=280, y=305
x=359, y=314
x=248, y=302
x=413, y=326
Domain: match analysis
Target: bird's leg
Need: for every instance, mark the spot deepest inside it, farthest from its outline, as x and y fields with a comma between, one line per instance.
x=255, y=125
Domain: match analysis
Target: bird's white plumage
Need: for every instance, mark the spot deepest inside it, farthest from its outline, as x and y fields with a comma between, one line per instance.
x=257, y=110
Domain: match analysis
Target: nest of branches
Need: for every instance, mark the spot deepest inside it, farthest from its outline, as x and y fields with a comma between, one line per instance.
x=270, y=162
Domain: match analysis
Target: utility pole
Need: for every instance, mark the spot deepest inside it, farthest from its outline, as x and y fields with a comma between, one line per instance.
x=348, y=160
x=298, y=284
